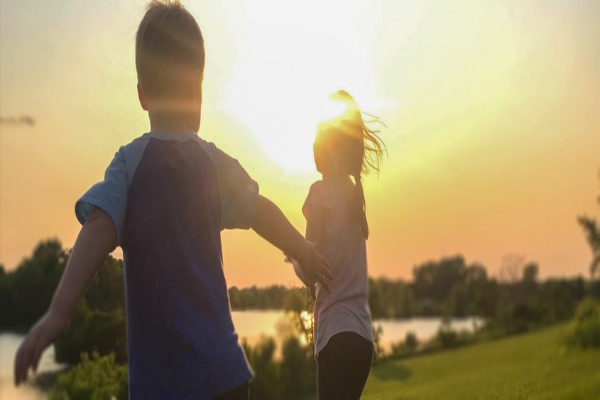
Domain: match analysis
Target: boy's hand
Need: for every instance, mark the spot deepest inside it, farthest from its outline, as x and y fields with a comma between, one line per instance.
x=94, y=242
x=43, y=333
x=315, y=267
x=270, y=223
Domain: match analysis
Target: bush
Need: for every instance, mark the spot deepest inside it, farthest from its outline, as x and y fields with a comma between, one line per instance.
x=411, y=342
x=378, y=352
x=99, y=378
x=291, y=377
x=584, y=331
x=93, y=331
x=408, y=346
x=298, y=369
x=447, y=337
x=266, y=383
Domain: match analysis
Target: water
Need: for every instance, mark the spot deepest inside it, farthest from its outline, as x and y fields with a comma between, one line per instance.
x=250, y=325
x=9, y=343
x=424, y=328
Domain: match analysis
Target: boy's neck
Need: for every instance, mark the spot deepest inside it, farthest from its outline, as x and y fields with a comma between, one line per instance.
x=170, y=123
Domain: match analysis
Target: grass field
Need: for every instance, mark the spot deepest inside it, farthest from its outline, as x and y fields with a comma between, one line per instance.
x=531, y=366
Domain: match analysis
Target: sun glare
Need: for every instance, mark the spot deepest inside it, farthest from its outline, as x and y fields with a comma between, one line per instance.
x=286, y=128
x=288, y=68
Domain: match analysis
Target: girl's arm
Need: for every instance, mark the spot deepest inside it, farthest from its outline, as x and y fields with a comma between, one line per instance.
x=95, y=241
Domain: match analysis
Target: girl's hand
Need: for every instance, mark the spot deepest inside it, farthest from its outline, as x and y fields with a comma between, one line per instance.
x=315, y=267
x=43, y=333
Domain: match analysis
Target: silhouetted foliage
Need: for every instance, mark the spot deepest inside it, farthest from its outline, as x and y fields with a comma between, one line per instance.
x=434, y=280
x=297, y=368
x=592, y=231
x=292, y=376
x=26, y=292
x=448, y=287
x=266, y=383
x=451, y=288
x=99, y=321
x=92, y=331
x=253, y=298
x=446, y=337
x=408, y=346
x=584, y=331
x=300, y=303
x=391, y=299
x=378, y=352
x=96, y=378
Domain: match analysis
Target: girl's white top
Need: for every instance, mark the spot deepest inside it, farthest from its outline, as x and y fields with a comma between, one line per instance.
x=346, y=307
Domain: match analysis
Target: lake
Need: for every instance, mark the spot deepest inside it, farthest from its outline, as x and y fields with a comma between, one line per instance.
x=251, y=325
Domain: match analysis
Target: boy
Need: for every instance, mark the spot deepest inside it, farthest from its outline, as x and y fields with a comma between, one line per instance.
x=165, y=199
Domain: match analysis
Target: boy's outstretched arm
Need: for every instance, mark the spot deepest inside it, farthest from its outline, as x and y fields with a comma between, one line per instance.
x=95, y=241
x=273, y=226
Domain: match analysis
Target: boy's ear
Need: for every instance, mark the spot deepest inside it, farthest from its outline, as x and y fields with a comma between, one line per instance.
x=143, y=100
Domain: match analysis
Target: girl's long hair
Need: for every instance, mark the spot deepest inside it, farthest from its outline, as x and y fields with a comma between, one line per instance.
x=358, y=145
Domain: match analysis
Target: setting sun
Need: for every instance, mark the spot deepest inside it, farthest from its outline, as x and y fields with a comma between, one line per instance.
x=286, y=69
x=491, y=114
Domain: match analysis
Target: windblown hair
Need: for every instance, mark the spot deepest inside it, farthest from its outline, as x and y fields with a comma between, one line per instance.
x=168, y=47
x=357, y=147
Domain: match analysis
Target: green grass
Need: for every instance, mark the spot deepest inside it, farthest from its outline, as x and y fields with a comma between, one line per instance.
x=531, y=366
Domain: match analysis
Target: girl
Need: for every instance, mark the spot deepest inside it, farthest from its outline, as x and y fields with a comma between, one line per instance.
x=335, y=213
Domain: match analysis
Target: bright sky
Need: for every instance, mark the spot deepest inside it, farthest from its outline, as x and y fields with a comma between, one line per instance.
x=492, y=111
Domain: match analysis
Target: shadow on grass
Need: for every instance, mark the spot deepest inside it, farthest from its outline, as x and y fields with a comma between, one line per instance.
x=394, y=371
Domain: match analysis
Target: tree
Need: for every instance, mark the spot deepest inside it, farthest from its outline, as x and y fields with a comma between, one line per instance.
x=27, y=291
x=435, y=280
x=592, y=231
x=411, y=342
x=530, y=273
x=297, y=369
x=511, y=267
x=457, y=303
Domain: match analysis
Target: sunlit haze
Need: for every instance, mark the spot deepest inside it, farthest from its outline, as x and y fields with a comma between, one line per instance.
x=493, y=128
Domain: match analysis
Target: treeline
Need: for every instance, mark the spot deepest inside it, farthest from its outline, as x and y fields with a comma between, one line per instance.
x=515, y=302
x=449, y=287
x=99, y=323
x=254, y=298
x=25, y=292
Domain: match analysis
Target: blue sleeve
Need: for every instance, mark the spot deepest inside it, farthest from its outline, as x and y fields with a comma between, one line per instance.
x=110, y=195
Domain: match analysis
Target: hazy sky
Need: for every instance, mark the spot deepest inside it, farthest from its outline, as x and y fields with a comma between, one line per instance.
x=492, y=113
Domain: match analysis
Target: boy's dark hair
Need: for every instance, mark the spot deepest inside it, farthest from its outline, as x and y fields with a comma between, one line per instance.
x=168, y=47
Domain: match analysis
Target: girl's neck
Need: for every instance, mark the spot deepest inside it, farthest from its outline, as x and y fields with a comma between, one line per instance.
x=335, y=175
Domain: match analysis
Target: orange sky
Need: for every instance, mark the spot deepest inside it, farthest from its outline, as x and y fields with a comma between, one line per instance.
x=492, y=113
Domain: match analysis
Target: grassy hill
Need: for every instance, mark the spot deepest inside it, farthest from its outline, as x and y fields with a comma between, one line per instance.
x=531, y=366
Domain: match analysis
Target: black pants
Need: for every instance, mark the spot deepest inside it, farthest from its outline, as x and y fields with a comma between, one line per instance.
x=343, y=367
x=241, y=392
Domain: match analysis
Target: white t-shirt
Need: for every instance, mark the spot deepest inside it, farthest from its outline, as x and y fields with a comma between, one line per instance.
x=346, y=307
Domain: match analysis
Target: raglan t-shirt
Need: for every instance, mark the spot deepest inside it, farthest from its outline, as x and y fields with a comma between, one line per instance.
x=169, y=196
x=345, y=308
